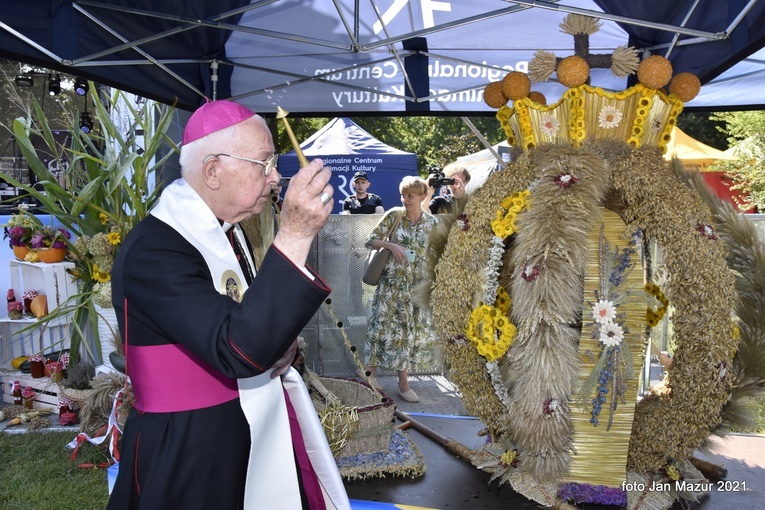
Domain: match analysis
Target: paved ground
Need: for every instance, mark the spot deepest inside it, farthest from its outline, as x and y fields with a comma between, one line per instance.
x=451, y=483
x=437, y=395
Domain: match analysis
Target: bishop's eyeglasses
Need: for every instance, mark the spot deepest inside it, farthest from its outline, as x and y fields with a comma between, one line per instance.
x=267, y=165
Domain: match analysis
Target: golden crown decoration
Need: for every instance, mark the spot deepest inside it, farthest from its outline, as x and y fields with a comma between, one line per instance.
x=643, y=114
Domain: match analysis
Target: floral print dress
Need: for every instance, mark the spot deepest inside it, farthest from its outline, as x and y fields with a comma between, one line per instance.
x=400, y=333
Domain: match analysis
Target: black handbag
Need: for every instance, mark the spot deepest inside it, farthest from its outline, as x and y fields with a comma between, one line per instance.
x=376, y=260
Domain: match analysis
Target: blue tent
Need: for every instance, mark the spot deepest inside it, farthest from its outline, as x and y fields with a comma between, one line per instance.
x=347, y=149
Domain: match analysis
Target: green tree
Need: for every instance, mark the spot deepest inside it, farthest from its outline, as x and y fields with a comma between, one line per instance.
x=746, y=133
x=15, y=101
x=435, y=140
x=302, y=127
x=704, y=128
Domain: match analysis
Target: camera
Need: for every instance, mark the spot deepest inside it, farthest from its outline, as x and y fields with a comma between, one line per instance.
x=437, y=178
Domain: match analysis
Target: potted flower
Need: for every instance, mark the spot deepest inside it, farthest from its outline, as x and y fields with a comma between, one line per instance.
x=50, y=243
x=19, y=231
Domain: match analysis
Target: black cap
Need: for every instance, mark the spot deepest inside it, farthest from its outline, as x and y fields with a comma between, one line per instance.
x=359, y=175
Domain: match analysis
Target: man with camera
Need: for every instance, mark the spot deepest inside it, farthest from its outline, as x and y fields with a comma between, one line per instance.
x=456, y=177
x=362, y=202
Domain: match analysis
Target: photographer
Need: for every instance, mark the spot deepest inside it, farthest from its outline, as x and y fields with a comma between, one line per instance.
x=456, y=177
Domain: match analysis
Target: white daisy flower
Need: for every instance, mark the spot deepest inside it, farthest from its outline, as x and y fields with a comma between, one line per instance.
x=550, y=125
x=603, y=311
x=611, y=334
x=609, y=117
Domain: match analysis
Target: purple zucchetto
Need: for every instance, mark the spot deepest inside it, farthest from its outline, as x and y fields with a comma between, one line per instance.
x=214, y=116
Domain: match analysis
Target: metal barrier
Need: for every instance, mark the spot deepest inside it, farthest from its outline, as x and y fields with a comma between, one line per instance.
x=338, y=256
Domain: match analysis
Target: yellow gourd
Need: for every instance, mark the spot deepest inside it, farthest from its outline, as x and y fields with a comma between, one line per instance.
x=39, y=306
x=16, y=362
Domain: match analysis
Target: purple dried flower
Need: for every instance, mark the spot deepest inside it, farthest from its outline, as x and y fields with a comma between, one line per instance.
x=595, y=494
x=16, y=235
x=49, y=237
x=37, y=241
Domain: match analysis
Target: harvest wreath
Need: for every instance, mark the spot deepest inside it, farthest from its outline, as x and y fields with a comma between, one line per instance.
x=516, y=393
x=578, y=329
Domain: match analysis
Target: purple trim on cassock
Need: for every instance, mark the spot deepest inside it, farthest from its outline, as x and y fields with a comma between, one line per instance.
x=168, y=378
x=308, y=475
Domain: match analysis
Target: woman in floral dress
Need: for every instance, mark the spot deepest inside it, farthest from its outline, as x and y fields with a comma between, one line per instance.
x=399, y=332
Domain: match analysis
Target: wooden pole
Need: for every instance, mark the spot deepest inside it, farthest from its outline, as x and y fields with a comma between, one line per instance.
x=458, y=448
x=708, y=469
x=455, y=447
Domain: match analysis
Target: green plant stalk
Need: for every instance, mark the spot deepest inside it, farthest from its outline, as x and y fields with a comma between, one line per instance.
x=106, y=175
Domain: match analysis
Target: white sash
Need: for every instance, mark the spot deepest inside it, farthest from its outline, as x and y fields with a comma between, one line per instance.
x=271, y=473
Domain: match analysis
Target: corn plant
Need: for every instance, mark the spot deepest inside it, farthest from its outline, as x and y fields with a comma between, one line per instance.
x=109, y=183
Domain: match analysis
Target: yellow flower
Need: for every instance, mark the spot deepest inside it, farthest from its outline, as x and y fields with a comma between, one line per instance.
x=100, y=276
x=503, y=224
x=483, y=326
x=103, y=218
x=508, y=458
x=503, y=301
x=673, y=473
x=114, y=238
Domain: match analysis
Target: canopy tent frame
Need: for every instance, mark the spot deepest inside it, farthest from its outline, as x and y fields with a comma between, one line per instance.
x=96, y=14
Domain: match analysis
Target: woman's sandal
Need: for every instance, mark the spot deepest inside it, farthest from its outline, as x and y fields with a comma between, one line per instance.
x=409, y=395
